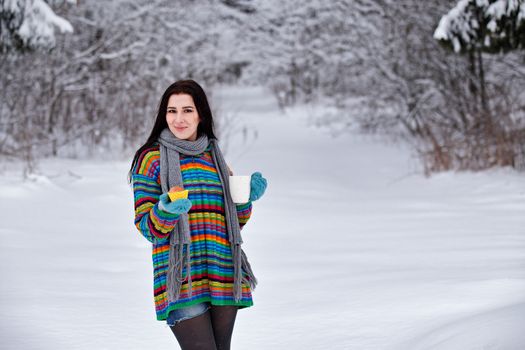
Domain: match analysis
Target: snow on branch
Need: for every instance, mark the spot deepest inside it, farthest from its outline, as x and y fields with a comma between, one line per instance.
x=31, y=24
x=490, y=25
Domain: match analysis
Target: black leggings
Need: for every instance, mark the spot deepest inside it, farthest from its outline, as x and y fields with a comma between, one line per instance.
x=210, y=331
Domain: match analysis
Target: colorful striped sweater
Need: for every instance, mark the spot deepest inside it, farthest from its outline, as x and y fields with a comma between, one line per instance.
x=210, y=254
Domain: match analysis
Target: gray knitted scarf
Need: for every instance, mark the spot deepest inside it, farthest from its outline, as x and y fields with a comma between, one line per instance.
x=180, y=239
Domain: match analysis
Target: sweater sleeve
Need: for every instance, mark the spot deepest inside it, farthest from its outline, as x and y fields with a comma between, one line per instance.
x=152, y=222
x=244, y=211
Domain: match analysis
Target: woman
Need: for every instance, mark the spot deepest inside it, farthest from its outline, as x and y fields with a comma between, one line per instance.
x=201, y=275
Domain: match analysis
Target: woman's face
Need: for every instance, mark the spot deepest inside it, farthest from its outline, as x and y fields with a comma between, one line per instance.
x=182, y=117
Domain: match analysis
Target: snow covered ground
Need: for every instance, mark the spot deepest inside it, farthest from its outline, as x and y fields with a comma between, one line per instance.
x=352, y=246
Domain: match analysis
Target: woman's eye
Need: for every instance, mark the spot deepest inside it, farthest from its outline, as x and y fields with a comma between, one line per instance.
x=171, y=111
x=188, y=110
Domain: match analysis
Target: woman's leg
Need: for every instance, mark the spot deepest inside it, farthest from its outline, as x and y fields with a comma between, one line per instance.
x=195, y=333
x=223, y=320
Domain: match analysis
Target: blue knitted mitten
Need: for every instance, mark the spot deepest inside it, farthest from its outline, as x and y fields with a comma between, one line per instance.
x=257, y=186
x=178, y=206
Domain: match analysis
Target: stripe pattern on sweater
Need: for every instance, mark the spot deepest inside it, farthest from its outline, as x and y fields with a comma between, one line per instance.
x=210, y=254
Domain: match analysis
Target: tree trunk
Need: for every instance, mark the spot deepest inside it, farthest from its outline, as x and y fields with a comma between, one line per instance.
x=482, y=88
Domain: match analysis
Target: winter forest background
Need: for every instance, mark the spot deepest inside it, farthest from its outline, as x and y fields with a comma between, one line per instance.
x=392, y=135
x=445, y=76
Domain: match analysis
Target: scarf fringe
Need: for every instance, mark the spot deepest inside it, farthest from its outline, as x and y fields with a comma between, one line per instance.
x=179, y=256
x=249, y=279
x=242, y=271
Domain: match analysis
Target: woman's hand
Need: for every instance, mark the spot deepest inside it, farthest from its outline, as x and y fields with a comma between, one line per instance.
x=257, y=186
x=178, y=206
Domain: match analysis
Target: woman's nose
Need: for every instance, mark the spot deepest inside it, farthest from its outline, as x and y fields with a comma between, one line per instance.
x=178, y=117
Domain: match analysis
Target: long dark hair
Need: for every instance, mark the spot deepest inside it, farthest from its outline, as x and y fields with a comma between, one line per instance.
x=205, y=126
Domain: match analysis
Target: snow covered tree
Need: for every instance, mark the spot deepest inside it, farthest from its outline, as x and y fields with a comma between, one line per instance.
x=486, y=25
x=478, y=28
x=100, y=86
x=30, y=24
x=368, y=62
x=305, y=49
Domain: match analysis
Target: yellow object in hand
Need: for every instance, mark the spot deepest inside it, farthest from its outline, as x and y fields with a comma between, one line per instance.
x=177, y=192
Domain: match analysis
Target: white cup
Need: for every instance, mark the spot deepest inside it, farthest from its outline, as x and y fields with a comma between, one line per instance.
x=240, y=188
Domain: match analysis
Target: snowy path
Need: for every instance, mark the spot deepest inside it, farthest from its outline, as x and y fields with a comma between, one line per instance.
x=353, y=249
